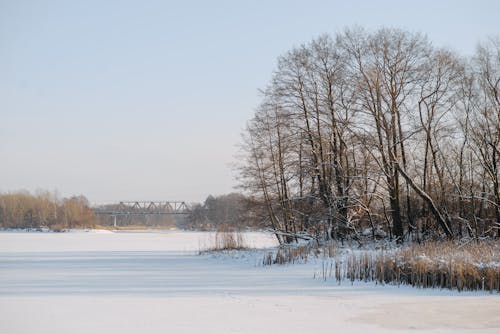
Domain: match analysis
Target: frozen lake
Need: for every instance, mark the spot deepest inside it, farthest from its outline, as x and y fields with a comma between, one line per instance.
x=131, y=282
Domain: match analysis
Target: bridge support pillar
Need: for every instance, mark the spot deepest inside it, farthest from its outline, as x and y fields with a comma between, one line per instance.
x=114, y=220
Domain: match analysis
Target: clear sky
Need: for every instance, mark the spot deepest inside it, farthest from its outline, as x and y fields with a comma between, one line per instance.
x=146, y=100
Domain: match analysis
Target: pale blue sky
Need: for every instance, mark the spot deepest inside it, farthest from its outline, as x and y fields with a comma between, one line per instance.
x=147, y=99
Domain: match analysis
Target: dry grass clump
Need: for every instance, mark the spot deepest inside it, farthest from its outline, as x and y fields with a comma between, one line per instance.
x=226, y=240
x=432, y=265
x=286, y=255
x=298, y=253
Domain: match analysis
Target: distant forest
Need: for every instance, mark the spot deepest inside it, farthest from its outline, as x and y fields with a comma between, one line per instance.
x=46, y=210
x=378, y=133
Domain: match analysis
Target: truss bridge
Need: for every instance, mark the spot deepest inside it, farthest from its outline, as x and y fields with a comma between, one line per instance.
x=144, y=208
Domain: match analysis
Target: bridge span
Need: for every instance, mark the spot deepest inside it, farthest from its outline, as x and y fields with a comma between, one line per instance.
x=144, y=208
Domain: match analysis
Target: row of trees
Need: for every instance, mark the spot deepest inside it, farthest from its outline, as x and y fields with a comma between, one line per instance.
x=44, y=209
x=224, y=212
x=378, y=130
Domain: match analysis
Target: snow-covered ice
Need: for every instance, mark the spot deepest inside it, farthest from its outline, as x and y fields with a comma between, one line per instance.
x=155, y=282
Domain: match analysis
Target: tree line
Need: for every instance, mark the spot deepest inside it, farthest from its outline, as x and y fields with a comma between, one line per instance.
x=44, y=209
x=224, y=213
x=368, y=132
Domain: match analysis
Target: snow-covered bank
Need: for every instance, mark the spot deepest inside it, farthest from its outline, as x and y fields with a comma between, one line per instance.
x=156, y=283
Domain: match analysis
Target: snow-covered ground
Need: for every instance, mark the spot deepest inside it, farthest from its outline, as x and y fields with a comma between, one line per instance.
x=145, y=282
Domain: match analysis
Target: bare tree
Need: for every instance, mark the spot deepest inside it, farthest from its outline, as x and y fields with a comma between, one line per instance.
x=485, y=129
x=376, y=129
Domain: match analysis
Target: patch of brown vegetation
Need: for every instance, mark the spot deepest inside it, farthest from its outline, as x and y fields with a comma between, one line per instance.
x=475, y=266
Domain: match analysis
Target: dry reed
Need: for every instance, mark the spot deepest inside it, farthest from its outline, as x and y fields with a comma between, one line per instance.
x=432, y=265
x=298, y=253
x=445, y=265
x=226, y=240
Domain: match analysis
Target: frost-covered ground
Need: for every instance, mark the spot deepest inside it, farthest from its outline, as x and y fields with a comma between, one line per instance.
x=141, y=282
